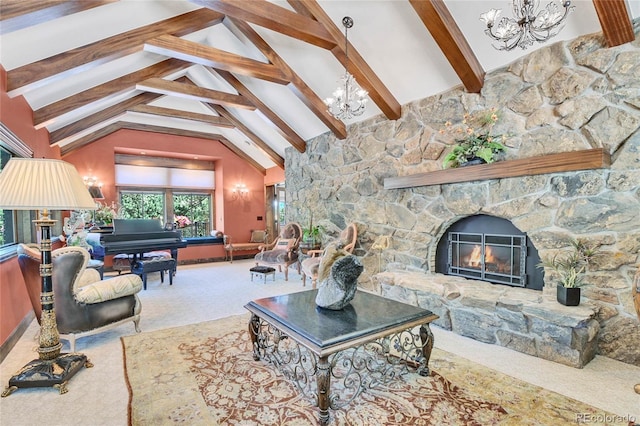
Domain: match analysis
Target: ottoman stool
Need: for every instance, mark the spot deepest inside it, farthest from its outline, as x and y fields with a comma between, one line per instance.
x=263, y=271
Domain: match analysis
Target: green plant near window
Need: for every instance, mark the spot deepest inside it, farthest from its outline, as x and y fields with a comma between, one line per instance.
x=571, y=266
x=474, y=140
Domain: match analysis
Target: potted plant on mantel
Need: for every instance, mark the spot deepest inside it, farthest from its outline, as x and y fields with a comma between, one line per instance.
x=569, y=268
x=474, y=145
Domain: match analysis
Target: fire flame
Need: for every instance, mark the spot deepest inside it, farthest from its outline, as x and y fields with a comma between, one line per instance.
x=475, y=258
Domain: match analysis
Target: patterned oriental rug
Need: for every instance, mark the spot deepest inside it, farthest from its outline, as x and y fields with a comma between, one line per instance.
x=204, y=374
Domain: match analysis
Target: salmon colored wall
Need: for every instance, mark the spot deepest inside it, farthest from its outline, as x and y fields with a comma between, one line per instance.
x=17, y=116
x=274, y=175
x=235, y=217
x=14, y=300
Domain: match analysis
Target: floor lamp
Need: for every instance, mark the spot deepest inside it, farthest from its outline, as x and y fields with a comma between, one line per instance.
x=43, y=185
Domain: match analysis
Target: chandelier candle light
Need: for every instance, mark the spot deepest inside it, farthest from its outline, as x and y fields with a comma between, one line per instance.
x=348, y=100
x=529, y=24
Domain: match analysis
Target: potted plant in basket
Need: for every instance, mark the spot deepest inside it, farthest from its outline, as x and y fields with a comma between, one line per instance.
x=569, y=269
x=474, y=145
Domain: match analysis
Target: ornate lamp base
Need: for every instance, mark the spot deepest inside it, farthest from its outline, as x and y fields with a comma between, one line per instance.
x=48, y=373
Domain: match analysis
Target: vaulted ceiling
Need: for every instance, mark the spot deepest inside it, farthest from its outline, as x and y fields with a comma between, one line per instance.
x=249, y=73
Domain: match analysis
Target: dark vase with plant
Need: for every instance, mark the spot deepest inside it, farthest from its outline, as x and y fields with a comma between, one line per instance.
x=474, y=144
x=569, y=269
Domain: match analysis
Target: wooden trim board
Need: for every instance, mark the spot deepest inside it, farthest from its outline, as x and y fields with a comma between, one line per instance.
x=551, y=163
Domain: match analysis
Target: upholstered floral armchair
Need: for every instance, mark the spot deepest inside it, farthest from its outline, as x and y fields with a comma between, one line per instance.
x=84, y=304
x=283, y=251
x=310, y=266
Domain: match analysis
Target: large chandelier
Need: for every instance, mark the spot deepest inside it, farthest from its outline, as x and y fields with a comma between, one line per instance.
x=529, y=24
x=348, y=100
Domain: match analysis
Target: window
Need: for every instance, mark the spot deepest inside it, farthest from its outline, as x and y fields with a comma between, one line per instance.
x=142, y=205
x=17, y=226
x=7, y=218
x=197, y=208
x=190, y=212
x=178, y=191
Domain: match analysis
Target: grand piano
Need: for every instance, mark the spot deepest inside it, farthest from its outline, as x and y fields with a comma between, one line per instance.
x=138, y=236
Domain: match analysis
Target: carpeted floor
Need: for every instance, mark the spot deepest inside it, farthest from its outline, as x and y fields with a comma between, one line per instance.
x=204, y=374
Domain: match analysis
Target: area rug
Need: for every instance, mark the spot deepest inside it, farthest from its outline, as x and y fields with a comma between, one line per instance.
x=204, y=374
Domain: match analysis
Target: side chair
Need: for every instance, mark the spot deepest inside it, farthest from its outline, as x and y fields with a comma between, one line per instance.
x=283, y=251
x=347, y=241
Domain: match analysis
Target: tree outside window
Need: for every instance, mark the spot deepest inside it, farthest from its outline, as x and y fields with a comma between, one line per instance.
x=193, y=213
x=142, y=205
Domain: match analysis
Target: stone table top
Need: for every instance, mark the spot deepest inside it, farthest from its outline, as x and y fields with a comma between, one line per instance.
x=325, y=331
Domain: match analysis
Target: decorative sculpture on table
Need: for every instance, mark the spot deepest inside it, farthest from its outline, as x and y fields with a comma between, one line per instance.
x=338, y=277
x=75, y=233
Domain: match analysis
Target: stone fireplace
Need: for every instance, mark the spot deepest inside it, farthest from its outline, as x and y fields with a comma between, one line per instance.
x=488, y=248
x=566, y=98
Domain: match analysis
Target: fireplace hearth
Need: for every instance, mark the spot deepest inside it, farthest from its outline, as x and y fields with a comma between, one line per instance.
x=488, y=248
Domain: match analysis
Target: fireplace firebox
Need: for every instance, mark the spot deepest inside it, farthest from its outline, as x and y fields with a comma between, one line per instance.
x=489, y=248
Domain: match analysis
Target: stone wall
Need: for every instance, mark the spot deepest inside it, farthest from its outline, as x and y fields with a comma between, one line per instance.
x=566, y=97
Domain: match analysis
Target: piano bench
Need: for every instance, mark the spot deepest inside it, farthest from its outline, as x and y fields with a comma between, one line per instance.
x=143, y=267
x=122, y=262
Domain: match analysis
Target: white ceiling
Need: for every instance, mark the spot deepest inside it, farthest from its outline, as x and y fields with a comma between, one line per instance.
x=388, y=34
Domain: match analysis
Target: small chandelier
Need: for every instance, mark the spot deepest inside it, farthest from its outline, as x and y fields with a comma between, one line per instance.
x=348, y=100
x=529, y=24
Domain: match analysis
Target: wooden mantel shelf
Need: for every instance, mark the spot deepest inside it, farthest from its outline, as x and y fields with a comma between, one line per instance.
x=551, y=163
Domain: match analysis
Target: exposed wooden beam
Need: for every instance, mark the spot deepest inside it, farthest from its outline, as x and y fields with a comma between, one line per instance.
x=275, y=18
x=199, y=135
x=188, y=91
x=107, y=130
x=60, y=66
x=175, y=47
x=438, y=20
x=92, y=137
x=358, y=67
x=297, y=85
x=240, y=126
x=215, y=120
x=18, y=14
x=120, y=108
x=110, y=89
x=615, y=21
x=263, y=146
x=271, y=117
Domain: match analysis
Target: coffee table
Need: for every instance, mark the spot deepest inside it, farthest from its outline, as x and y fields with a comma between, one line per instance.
x=371, y=341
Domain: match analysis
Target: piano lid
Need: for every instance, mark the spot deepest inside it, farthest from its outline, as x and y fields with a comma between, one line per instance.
x=136, y=226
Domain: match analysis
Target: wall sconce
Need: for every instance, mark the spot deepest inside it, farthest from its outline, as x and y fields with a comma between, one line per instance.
x=94, y=187
x=240, y=191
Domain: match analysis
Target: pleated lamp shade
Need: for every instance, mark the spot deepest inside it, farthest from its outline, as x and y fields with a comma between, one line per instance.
x=42, y=183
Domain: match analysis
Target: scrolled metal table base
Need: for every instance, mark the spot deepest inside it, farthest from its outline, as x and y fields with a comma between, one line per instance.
x=356, y=369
